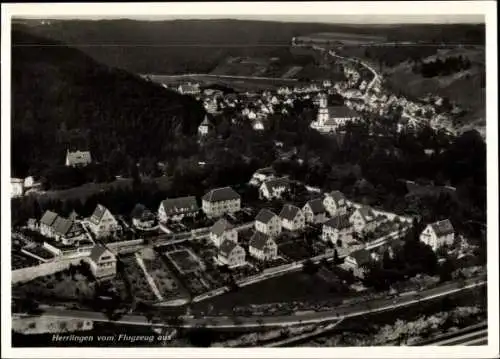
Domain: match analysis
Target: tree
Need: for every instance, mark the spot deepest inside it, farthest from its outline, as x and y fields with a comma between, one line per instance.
x=446, y=270
x=336, y=258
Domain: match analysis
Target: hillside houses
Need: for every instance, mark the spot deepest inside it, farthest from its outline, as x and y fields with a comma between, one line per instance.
x=335, y=203
x=189, y=89
x=142, y=218
x=102, y=222
x=175, y=209
x=102, y=262
x=315, y=211
x=231, y=254
x=438, y=234
x=63, y=230
x=268, y=223
x=365, y=220
x=292, y=218
x=339, y=230
x=219, y=201
x=205, y=127
x=261, y=175
x=274, y=188
x=223, y=231
x=262, y=247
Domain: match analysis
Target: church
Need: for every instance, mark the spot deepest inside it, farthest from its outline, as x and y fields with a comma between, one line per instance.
x=329, y=118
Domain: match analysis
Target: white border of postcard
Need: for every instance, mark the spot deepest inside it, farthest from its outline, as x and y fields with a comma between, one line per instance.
x=406, y=11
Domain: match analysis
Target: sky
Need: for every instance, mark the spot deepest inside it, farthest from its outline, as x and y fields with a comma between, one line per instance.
x=339, y=19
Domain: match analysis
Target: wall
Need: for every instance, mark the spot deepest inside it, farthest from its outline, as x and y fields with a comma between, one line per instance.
x=30, y=273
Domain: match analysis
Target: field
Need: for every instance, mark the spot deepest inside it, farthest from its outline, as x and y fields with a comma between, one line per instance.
x=138, y=283
x=296, y=286
x=344, y=38
x=184, y=260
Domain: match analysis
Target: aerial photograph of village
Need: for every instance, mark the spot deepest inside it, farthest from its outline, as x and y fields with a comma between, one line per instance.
x=228, y=182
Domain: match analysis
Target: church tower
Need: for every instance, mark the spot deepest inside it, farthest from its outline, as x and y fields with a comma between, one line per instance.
x=323, y=113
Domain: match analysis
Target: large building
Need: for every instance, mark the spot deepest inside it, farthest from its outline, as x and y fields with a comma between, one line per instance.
x=220, y=201
x=330, y=118
x=268, y=222
x=438, y=234
x=175, y=209
x=63, y=230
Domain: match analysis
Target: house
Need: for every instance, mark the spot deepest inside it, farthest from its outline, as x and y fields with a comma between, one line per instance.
x=338, y=230
x=221, y=231
x=142, y=218
x=221, y=200
x=330, y=118
x=335, y=203
x=292, y=218
x=438, y=233
x=102, y=262
x=365, y=220
x=231, y=254
x=189, y=89
x=47, y=222
x=78, y=158
x=176, y=209
x=274, y=188
x=67, y=231
x=268, y=223
x=102, y=223
x=205, y=127
x=262, y=247
x=262, y=175
x=315, y=211
x=357, y=261
x=258, y=125
x=17, y=187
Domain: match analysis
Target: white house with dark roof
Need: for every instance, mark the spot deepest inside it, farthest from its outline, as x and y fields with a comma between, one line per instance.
x=142, y=217
x=78, y=158
x=102, y=222
x=189, y=89
x=335, y=203
x=221, y=231
x=231, y=254
x=220, y=201
x=47, y=222
x=315, y=211
x=292, y=218
x=64, y=230
x=175, y=209
x=261, y=175
x=364, y=219
x=102, y=262
x=17, y=187
x=262, y=247
x=68, y=232
x=438, y=233
x=357, y=261
x=268, y=222
x=274, y=188
x=338, y=228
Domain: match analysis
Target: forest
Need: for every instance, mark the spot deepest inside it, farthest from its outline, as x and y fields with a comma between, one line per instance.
x=440, y=67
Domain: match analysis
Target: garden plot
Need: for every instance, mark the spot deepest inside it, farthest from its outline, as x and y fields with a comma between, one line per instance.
x=185, y=261
x=138, y=283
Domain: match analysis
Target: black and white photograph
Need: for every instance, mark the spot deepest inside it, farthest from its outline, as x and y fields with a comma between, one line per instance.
x=221, y=176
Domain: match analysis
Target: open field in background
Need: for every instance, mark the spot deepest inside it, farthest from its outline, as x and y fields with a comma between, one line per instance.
x=343, y=37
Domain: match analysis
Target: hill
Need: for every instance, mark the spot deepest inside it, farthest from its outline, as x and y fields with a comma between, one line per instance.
x=199, y=46
x=62, y=97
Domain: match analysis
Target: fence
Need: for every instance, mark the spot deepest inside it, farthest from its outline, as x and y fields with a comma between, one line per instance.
x=124, y=245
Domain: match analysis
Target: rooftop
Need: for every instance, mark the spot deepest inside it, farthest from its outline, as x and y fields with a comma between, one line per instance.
x=221, y=194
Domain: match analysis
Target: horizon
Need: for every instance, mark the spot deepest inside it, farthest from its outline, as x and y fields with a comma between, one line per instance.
x=373, y=19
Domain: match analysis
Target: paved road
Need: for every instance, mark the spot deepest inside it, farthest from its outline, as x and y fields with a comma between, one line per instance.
x=340, y=312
